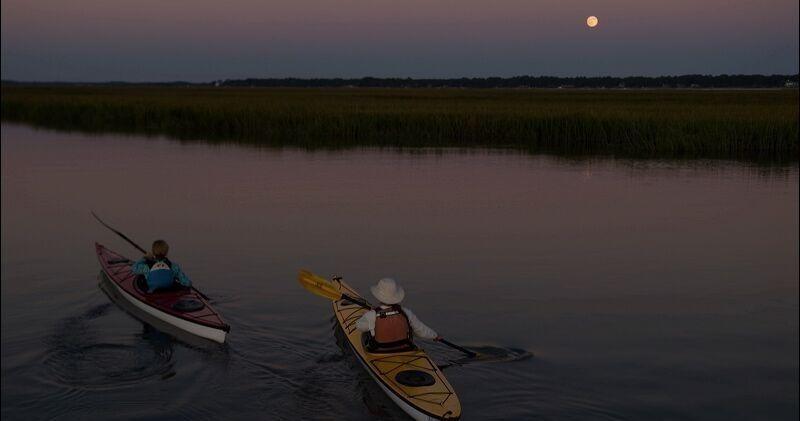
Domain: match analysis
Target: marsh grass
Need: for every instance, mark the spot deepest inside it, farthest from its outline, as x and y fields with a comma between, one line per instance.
x=735, y=124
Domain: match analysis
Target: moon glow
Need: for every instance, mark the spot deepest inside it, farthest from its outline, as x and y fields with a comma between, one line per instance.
x=592, y=21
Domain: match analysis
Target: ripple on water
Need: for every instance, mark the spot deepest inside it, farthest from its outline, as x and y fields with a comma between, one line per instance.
x=78, y=358
x=527, y=388
x=108, y=365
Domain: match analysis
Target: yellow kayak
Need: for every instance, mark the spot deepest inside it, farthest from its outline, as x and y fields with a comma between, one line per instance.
x=410, y=378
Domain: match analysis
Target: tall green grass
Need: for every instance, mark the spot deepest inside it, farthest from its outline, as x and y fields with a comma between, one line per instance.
x=665, y=123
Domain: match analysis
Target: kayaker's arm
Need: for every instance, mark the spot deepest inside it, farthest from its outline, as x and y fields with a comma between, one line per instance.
x=140, y=267
x=419, y=328
x=180, y=276
x=367, y=322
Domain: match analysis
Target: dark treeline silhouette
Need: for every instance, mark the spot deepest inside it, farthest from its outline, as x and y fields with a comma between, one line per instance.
x=109, y=83
x=683, y=81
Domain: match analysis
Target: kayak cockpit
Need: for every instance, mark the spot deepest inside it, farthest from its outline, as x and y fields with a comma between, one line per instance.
x=373, y=348
x=177, y=297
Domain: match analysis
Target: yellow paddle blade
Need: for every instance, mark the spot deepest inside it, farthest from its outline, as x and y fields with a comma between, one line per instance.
x=318, y=285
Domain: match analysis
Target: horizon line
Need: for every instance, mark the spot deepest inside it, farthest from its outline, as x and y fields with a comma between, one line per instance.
x=275, y=78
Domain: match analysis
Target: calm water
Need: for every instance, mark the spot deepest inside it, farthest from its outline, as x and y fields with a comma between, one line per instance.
x=658, y=290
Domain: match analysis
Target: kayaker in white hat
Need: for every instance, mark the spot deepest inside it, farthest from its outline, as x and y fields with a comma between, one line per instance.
x=389, y=324
x=158, y=271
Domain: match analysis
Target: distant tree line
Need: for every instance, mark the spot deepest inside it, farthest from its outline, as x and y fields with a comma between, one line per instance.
x=683, y=81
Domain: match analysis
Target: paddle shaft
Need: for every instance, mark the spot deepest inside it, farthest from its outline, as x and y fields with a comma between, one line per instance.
x=124, y=237
x=469, y=353
x=356, y=301
x=131, y=242
x=323, y=287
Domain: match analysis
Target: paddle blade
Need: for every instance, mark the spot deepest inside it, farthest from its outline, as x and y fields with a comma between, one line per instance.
x=318, y=285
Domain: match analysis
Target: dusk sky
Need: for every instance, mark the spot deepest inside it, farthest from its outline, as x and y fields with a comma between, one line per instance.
x=203, y=40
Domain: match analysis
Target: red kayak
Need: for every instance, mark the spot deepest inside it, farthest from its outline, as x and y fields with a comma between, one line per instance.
x=184, y=308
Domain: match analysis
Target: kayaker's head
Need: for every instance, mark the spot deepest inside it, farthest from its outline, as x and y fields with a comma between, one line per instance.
x=388, y=292
x=160, y=249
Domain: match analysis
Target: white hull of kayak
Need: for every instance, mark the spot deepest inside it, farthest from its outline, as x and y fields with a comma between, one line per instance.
x=207, y=332
x=408, y=409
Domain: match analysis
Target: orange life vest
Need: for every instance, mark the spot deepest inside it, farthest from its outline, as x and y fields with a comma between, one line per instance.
x=392, y=329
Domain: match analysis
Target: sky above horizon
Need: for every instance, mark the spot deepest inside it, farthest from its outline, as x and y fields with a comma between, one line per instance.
x=203, y=40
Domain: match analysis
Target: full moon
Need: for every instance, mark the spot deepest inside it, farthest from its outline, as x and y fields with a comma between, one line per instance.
x=591, y=21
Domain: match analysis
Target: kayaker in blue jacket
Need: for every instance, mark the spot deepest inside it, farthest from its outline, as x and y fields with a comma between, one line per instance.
x=158, y=271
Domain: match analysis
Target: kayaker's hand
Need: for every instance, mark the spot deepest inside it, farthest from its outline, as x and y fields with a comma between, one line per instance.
x=437, y=339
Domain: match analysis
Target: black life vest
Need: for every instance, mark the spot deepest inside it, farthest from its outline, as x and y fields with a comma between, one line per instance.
x=152, y=262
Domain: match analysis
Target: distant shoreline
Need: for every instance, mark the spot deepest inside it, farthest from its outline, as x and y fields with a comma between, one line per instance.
x=742, y=124
x=158, y=85
x=688, y=81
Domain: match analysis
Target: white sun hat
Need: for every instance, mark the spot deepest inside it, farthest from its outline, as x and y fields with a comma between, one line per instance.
x=388, y=292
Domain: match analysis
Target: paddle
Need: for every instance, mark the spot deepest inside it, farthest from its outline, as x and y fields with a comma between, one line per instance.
x=469, y=353
x=125, y=237
x=322, y=287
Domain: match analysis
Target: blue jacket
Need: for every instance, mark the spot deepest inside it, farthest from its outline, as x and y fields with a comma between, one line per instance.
x=141, y=267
